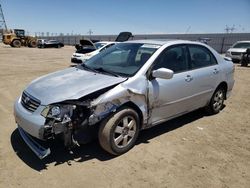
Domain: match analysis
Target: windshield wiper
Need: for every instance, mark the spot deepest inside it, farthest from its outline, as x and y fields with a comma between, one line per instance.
x=100, y=69
x=87, y=67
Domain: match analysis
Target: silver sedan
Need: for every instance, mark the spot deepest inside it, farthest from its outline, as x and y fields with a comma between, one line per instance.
x=128, y=87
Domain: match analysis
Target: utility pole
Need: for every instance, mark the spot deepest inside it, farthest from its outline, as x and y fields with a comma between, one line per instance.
x=230, y=29
x=188, y=29
x=233, y=29
x=3, y=26
x=227, y=29
x=90, y=32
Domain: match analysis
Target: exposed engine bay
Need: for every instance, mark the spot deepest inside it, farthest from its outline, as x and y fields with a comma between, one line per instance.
x=74, y=120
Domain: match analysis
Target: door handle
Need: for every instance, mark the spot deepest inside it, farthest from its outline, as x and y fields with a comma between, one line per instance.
x=215, y=71
x=188, y=78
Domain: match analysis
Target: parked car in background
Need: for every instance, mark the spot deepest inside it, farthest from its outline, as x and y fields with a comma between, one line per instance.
x=204, y=40
x=88, y=49
x=41, y=41
x=236, y=51
x=49, y=44
x=83, y=54
x=130, y=86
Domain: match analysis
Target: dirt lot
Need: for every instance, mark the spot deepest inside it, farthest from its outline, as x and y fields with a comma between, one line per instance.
x=194, y=150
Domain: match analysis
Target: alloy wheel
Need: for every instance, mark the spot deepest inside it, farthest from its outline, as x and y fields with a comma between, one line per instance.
x=124, y=131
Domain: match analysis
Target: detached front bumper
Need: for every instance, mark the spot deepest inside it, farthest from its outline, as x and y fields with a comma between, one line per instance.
x=31, y=124
x=39, y=150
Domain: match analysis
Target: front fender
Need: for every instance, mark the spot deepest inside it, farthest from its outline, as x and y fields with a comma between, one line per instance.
x=110, y=101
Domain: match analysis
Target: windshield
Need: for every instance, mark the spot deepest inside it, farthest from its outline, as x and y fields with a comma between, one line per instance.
x=99, y=45
x=242, y=45
x=123, y=59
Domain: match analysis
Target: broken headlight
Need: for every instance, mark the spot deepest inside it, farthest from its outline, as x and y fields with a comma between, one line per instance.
x=55, y=111
x=58, y=111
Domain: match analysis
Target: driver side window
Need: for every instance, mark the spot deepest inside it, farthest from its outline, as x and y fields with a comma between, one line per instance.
x=173, y=58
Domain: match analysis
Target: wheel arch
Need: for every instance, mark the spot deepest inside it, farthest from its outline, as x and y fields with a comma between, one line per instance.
x=14, y=39
x=136, y=108
x=224, y=86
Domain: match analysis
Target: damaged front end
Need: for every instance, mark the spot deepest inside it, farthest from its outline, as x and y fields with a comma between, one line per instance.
x=73, y=121
x=77, y=121
x=67, y=121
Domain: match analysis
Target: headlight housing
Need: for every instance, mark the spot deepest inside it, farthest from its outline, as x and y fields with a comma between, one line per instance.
x=57, y=111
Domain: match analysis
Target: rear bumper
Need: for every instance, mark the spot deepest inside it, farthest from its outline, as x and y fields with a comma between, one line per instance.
x=39, y=150
x=235, y=58
x=230, y=88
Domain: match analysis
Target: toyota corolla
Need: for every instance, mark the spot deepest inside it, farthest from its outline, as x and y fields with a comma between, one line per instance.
x=128, y=87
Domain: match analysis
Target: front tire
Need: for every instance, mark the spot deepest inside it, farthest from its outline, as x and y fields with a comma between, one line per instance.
x=16, y=43
x=217, y=101
x=118, y=133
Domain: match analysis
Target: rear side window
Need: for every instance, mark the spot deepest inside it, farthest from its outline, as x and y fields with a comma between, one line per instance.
x=200, y=57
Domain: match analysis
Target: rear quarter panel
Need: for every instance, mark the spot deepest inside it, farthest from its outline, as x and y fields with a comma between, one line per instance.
x=227, y=74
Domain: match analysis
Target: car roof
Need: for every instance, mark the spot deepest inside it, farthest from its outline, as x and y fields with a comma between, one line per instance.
x=106, y=42
x=164, y=41
x=247, y=41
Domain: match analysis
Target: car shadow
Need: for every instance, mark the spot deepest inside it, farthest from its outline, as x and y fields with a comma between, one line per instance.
x=148, y=134
x=59, y=154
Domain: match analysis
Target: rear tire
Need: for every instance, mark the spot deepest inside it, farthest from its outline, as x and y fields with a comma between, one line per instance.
x=217, y=101
x=16, y=43
x=118, y=133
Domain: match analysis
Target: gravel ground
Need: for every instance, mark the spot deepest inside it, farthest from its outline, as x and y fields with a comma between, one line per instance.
x=194, y=150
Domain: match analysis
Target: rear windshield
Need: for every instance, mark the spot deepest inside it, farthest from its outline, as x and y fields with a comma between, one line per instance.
x=242, y=45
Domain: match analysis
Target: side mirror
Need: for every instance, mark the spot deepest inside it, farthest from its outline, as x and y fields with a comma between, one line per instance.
x=163, y=73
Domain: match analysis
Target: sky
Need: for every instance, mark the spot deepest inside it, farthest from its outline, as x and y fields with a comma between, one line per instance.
x=137, y=16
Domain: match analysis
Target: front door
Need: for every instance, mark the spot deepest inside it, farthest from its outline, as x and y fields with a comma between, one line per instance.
x=171, y=97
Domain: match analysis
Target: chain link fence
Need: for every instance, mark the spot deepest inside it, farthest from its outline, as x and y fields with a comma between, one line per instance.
x=219, y=41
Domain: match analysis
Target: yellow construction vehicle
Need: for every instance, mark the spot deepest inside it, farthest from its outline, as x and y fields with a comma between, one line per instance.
x=17, y=39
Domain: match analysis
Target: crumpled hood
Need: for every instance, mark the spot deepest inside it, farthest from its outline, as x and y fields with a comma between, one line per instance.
x=69, y=84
